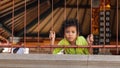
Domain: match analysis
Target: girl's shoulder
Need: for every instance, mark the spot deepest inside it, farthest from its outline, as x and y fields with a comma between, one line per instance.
x=63, y=42
x=81, y=37
x=81, y=40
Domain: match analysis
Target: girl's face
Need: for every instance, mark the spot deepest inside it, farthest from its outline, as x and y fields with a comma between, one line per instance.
x=71, y=34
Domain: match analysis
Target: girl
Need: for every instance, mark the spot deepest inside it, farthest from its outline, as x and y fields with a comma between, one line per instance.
x=70, y=30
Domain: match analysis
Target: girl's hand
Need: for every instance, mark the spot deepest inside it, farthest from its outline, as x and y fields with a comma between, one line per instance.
x=90, y=39
x=52, y=37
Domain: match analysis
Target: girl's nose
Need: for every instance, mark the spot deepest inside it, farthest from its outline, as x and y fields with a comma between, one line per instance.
x=70, y=33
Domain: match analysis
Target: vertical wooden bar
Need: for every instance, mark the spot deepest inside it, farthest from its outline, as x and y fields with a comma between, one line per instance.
x=38, y=24
x=25, y=24
x=12, y=24
x=77, y=11
x=51, y=49
x=104, y=28
x=117, y=28
x=52, y=16
x=78, y=17
x=65, y=10
x=90, y=49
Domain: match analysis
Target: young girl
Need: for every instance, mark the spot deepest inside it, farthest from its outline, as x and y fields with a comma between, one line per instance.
x=70, y=30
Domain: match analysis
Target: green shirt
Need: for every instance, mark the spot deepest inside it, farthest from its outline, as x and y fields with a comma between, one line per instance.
x=79, y=41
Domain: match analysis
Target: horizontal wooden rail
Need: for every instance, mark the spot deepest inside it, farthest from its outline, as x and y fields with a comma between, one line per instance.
x=62, y=46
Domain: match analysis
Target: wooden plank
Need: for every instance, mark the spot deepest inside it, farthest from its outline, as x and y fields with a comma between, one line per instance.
x=8, y=22
x=2, y=2
x=73, y=13
x=73, y=2
x=45, y=21
x=84, y=2
x=86, y=23
x=31, y=15
x=9, y=7
x=80, y=14
x=41, y=25
x=9, y=4
x=56, y=1
x=50, y=24
x=36, y=27
x=59, y=22
x=9, y=10
x=58, y=61
x=61, y=19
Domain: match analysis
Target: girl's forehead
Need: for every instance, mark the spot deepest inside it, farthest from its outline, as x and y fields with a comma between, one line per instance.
x=71, y=28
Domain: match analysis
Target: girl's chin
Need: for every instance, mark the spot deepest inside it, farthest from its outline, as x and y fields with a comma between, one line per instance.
x=71, y=41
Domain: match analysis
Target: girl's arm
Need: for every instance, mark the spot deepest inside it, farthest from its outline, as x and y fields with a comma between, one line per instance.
x=52, y=40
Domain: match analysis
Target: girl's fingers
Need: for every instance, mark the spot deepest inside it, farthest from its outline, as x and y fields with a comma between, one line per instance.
x=52, y=34
x=90, y=38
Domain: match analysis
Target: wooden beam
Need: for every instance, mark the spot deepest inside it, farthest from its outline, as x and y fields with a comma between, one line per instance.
x=6, y=29
x=58, y=61
x=47, y=11
x=8, y=15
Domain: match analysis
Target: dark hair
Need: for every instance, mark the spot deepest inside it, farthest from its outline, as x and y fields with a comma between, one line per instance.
x=67, y=23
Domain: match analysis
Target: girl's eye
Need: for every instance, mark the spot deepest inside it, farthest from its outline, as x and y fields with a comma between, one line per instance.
x=67, y=31
x=73, y=31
